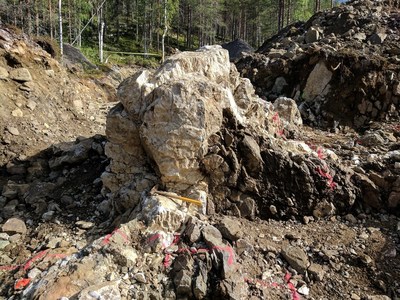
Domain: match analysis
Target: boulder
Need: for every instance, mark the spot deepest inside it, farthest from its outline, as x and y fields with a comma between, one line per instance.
x=20, y=75
x=296, y=257
x=317, y=82
x=14, y=225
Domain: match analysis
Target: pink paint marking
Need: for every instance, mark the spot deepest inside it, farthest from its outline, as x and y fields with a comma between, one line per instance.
x=38, y=256
x=167, y=260
x=21, y=283
x=329, y=178
x=276, y=118
x=56, y=255
x=9, y=268
x=108, y=237
x=230, y=251
x=320, y=153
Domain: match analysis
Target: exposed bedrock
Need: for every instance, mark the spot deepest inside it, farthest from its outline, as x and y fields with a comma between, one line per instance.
x=195, y=128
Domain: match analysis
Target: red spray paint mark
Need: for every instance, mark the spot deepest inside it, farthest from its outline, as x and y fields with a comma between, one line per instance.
x=167, y=260
x=38, y=256
x=320, y=153
x=229, y=250
x=291, y=287
x=332, y=185
x=108, y=237
x=21, y=283
x=8, y=268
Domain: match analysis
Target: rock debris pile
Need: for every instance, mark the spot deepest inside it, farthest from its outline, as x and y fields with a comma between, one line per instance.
x=287, y=211
x=341, y=66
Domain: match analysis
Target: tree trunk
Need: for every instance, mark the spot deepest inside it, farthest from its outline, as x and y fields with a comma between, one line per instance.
x=317, y=5
x=61, y=31
x=37, y=17
x=165, y=31
x=280, y=14
x=289, y=7
x=101, y=34
x=28, y=17
x=50, y=19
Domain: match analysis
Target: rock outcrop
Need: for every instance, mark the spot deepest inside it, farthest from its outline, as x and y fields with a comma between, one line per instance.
x=194, y=127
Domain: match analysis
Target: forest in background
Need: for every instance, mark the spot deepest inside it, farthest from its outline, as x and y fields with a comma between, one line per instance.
x=126, y=26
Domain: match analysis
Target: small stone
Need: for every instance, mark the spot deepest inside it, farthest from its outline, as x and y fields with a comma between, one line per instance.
x=12, y=130
x=15, y=238
x=49, y=73
x=323, y=209
x=351, y=218
x=31, y=105
x=35, y=272
x=84, y=224
x=104, y=207
x=247, y=207
x=192, y=231
x=354, y=296
x=230, y=229
x=378, y=38
x=21, y=75
x=378, y=297
x=53, y=243
x=47, y=216
x=212, y=236
x=17, y=113
x=308, y=219
x=14, y=225
x=317, y=271
x=243, y=246
x=312, y=36
x=273, y=209
x=4, y=236
x=304, y=290
x=397, y=165
x=140, y=277
x=296, y=257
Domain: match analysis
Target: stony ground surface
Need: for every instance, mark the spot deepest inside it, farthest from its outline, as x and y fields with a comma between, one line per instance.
x=56, y=226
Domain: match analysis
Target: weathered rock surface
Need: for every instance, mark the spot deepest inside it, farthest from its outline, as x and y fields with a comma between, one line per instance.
x=197, y=129
x=21, y=75
x=14, y=225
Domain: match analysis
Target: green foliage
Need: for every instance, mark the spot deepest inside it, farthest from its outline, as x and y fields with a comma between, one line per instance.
x=137, y=26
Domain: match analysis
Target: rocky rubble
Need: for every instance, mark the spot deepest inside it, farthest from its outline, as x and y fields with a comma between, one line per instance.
x=347, y=55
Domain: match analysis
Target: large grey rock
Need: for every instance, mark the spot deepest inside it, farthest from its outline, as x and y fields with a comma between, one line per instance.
x=168, y=118
x=296, y=257
x=14, y=225
x=378, y=38
x=251, y=150
x=21, y=75
x=212, y=236
x=288, y=112
x=312, y=36
x=317, y=82
x=230, y=229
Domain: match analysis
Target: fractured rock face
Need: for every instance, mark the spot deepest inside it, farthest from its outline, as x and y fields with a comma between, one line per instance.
x=195, y=128
x=165, y=121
